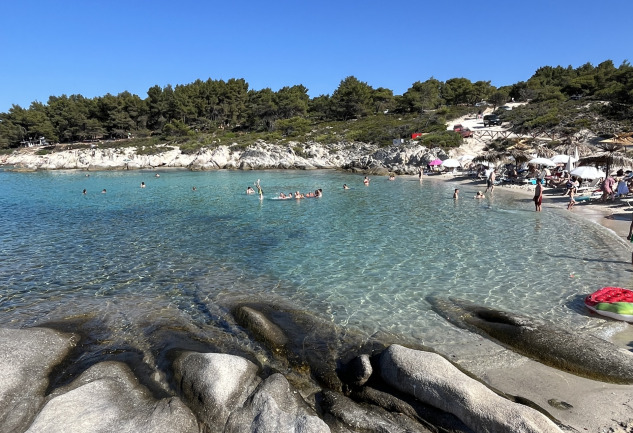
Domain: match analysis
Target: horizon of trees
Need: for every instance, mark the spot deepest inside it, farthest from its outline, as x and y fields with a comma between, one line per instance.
x=205, y=106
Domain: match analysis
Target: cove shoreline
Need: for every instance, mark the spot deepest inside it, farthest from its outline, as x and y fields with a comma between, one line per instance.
x=594, y=403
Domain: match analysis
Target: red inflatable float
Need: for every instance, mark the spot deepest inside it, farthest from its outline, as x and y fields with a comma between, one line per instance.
x=614, y=302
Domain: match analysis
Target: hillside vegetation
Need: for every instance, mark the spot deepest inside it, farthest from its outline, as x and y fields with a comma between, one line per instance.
x=213, y=112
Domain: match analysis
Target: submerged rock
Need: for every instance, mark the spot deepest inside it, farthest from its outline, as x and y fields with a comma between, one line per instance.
x=27, y=357
x=580, y=354
x=304, y=339
x=435, y=381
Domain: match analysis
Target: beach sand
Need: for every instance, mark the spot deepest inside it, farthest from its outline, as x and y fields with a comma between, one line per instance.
x=578, y=403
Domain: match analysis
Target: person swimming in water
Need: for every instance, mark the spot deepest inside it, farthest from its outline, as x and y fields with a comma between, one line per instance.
x=345, y=186
x=366, y=181
x=250, y=190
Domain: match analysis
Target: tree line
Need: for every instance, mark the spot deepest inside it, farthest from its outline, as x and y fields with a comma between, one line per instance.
x=205, y=106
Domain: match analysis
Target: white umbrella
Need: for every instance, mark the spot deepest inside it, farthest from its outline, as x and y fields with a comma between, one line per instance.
x=563, y=159
x=451, y=163
x=587, y=172
x=466, y=158
x=542, y=161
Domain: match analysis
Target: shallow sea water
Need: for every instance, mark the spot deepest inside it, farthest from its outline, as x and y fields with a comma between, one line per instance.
x=365, y=258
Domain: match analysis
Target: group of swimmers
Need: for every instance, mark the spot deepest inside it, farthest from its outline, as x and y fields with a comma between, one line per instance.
x=316, y=193
x=478, y=195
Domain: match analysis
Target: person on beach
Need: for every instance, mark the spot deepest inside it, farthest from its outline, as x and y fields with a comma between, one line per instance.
x=420, y=173
x=456, y=194
x=250, y=190
x=572, y=202
x=345, y=186
x=84, y=192
x=538, y=195
x=392, y=176
x=260, y=191
x=366, y=181
x=194, y=188
x=142, y=184
x=103, y=191
x=491, y=181
x=480, y=195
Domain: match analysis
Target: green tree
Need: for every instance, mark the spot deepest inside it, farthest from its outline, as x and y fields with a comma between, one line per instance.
x=352, y=99
x=292, y=101
x=422, y=96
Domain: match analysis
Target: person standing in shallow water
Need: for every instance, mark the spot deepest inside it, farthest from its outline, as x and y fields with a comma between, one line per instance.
x=456, y=194
x=538, y=195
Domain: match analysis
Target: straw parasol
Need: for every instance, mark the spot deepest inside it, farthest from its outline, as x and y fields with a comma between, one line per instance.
x=624, y=139
x=571, y=149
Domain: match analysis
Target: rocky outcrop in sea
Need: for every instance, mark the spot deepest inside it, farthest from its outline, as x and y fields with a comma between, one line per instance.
x=401, y=159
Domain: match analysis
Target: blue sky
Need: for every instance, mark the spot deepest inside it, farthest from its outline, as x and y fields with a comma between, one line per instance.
x=96, y=47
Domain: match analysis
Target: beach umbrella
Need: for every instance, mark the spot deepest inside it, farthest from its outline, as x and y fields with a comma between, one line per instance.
x=435, y=162
x=563, y=159
x=625, y=139
x=450, y=163
x=587, y=172
x=542, y=161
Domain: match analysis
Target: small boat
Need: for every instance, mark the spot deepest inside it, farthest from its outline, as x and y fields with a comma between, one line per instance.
x=613, y=302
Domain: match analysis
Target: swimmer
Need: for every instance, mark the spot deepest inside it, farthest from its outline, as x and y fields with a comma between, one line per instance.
x=250, y=190
x=480, y=195
x=392, y=176
x=345, y=186
x=142, y=184
x=157, y=175
x=318, y=193
x=282, y=195
x=194, y=188
x=366, y=181
x=84, y=191
x=456, y=193
x=104, y=191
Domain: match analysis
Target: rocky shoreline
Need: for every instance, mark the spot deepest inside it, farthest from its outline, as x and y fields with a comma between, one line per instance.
x=403, y=159
x=315, y=377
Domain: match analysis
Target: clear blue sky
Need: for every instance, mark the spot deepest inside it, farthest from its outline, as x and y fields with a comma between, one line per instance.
x=92, y=47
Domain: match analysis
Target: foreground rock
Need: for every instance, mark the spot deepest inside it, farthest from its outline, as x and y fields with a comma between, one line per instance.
x=27, y=357
x=108, y=398
x=213, y=384
x=433, y=380
x=275, y=407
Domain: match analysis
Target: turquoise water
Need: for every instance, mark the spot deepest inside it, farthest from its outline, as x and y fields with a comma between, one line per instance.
x=366, y=257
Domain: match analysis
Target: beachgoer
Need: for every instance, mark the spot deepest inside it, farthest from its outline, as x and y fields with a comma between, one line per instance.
x=103, y=191
x=392, y=176
x=157, y=175
x=142, y=184
x=420, y=173
x=345, y=186
x=194, y=188
x=491, y=181
x=250, y=190
x=366, y=181
x=318, y=193
x=480, y=195
x=84, y=191
x=456, y=193
x=607, y=188
x=282, y=195
x=572, y=202
x=538, y=195
x=260, y=191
